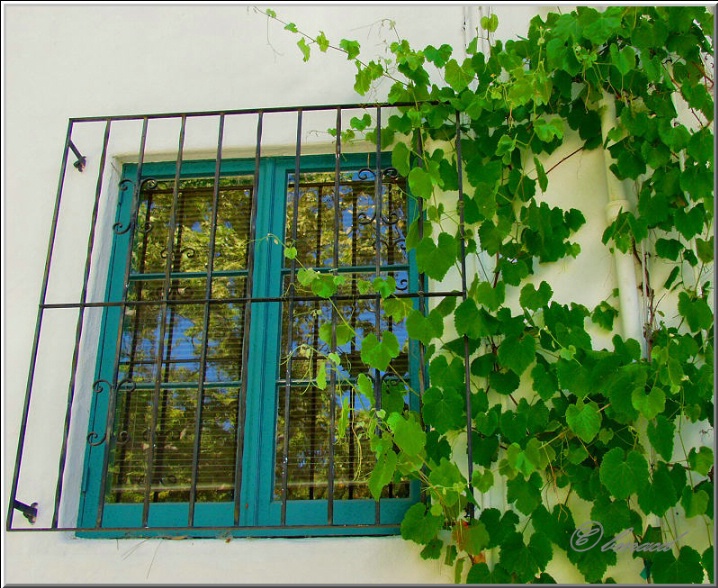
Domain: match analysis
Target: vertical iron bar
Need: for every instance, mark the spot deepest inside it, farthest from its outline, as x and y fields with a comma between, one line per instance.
x=352, y=349
x=205, y=329
x=421, y=278
x=315, y=345
x=163, y=325
x=377, y=270
x=289, y=353
x=421, y=275
x=109, y=424
x=78, y=329
x=38, y=328
x=249, y=287
x=467, y=367
x=333, y=346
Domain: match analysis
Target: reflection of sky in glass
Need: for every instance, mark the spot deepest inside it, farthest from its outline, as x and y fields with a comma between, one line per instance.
x=182, y=352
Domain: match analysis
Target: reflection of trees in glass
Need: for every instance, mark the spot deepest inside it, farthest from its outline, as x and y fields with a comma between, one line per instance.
x=336, y=232
x=309, y=426
x=352, y=225
x=345, y=226
x=172, y=471
x=184, y=337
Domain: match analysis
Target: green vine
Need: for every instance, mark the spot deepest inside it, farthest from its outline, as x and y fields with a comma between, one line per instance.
x=556, y=424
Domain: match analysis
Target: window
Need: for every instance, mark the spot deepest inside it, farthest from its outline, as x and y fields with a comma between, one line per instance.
x=223, y=407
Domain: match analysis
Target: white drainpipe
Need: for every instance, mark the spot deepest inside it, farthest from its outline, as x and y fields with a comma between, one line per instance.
x=629, y=306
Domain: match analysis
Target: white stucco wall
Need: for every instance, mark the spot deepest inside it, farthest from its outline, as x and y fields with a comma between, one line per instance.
x=85, y=60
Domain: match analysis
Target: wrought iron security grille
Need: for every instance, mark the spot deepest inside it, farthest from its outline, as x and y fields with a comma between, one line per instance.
x=181, y=268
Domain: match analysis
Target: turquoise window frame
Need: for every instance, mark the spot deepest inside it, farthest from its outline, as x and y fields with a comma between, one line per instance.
x=260, y=512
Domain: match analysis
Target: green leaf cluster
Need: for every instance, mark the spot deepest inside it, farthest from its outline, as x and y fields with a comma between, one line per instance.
x=604, y=425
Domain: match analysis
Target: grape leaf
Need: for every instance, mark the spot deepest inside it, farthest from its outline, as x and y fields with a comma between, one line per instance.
x=383, y=473
x=686, y=569
x=419, y=525
x=517, y=353
x=472, y=538
x=661, y=433
x=623, y=475
x=305, y=49
x=443, y=409
x=435, y=259
x=378, y=354
x=651, y=404
x=420, y=183
x=400, y=158
x=534, y=299
x=433, y=549
x=424, y=328
x=525, y=493
x=469, y=320
x=409, y=436
x=694, y=503
x=701, y=461
x=584, y=420
x=660, y=495
x=696, y=312
x=525, y=561
x=351, y=47
x=490, y=296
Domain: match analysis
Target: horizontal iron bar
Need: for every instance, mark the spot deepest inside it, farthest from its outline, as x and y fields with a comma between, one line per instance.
x=355, y=269
x=274, y=109
x=196, y=301
x=368, y=527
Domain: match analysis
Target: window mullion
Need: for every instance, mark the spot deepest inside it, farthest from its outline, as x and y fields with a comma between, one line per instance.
x=333, y=345
x=250, y=289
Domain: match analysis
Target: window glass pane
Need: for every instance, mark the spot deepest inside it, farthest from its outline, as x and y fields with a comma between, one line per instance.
x=346, y=223
x=224, y=346
x=184, y=333
x=176, y=319
x=233, y=230
x=308, y=316
x=355, y=232
x=175, y=440
x=140, y=333
x=193, y=216
x=309, y=438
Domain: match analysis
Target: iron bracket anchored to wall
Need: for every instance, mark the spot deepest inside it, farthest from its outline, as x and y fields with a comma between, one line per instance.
x=81, y=159
x=29, y=512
